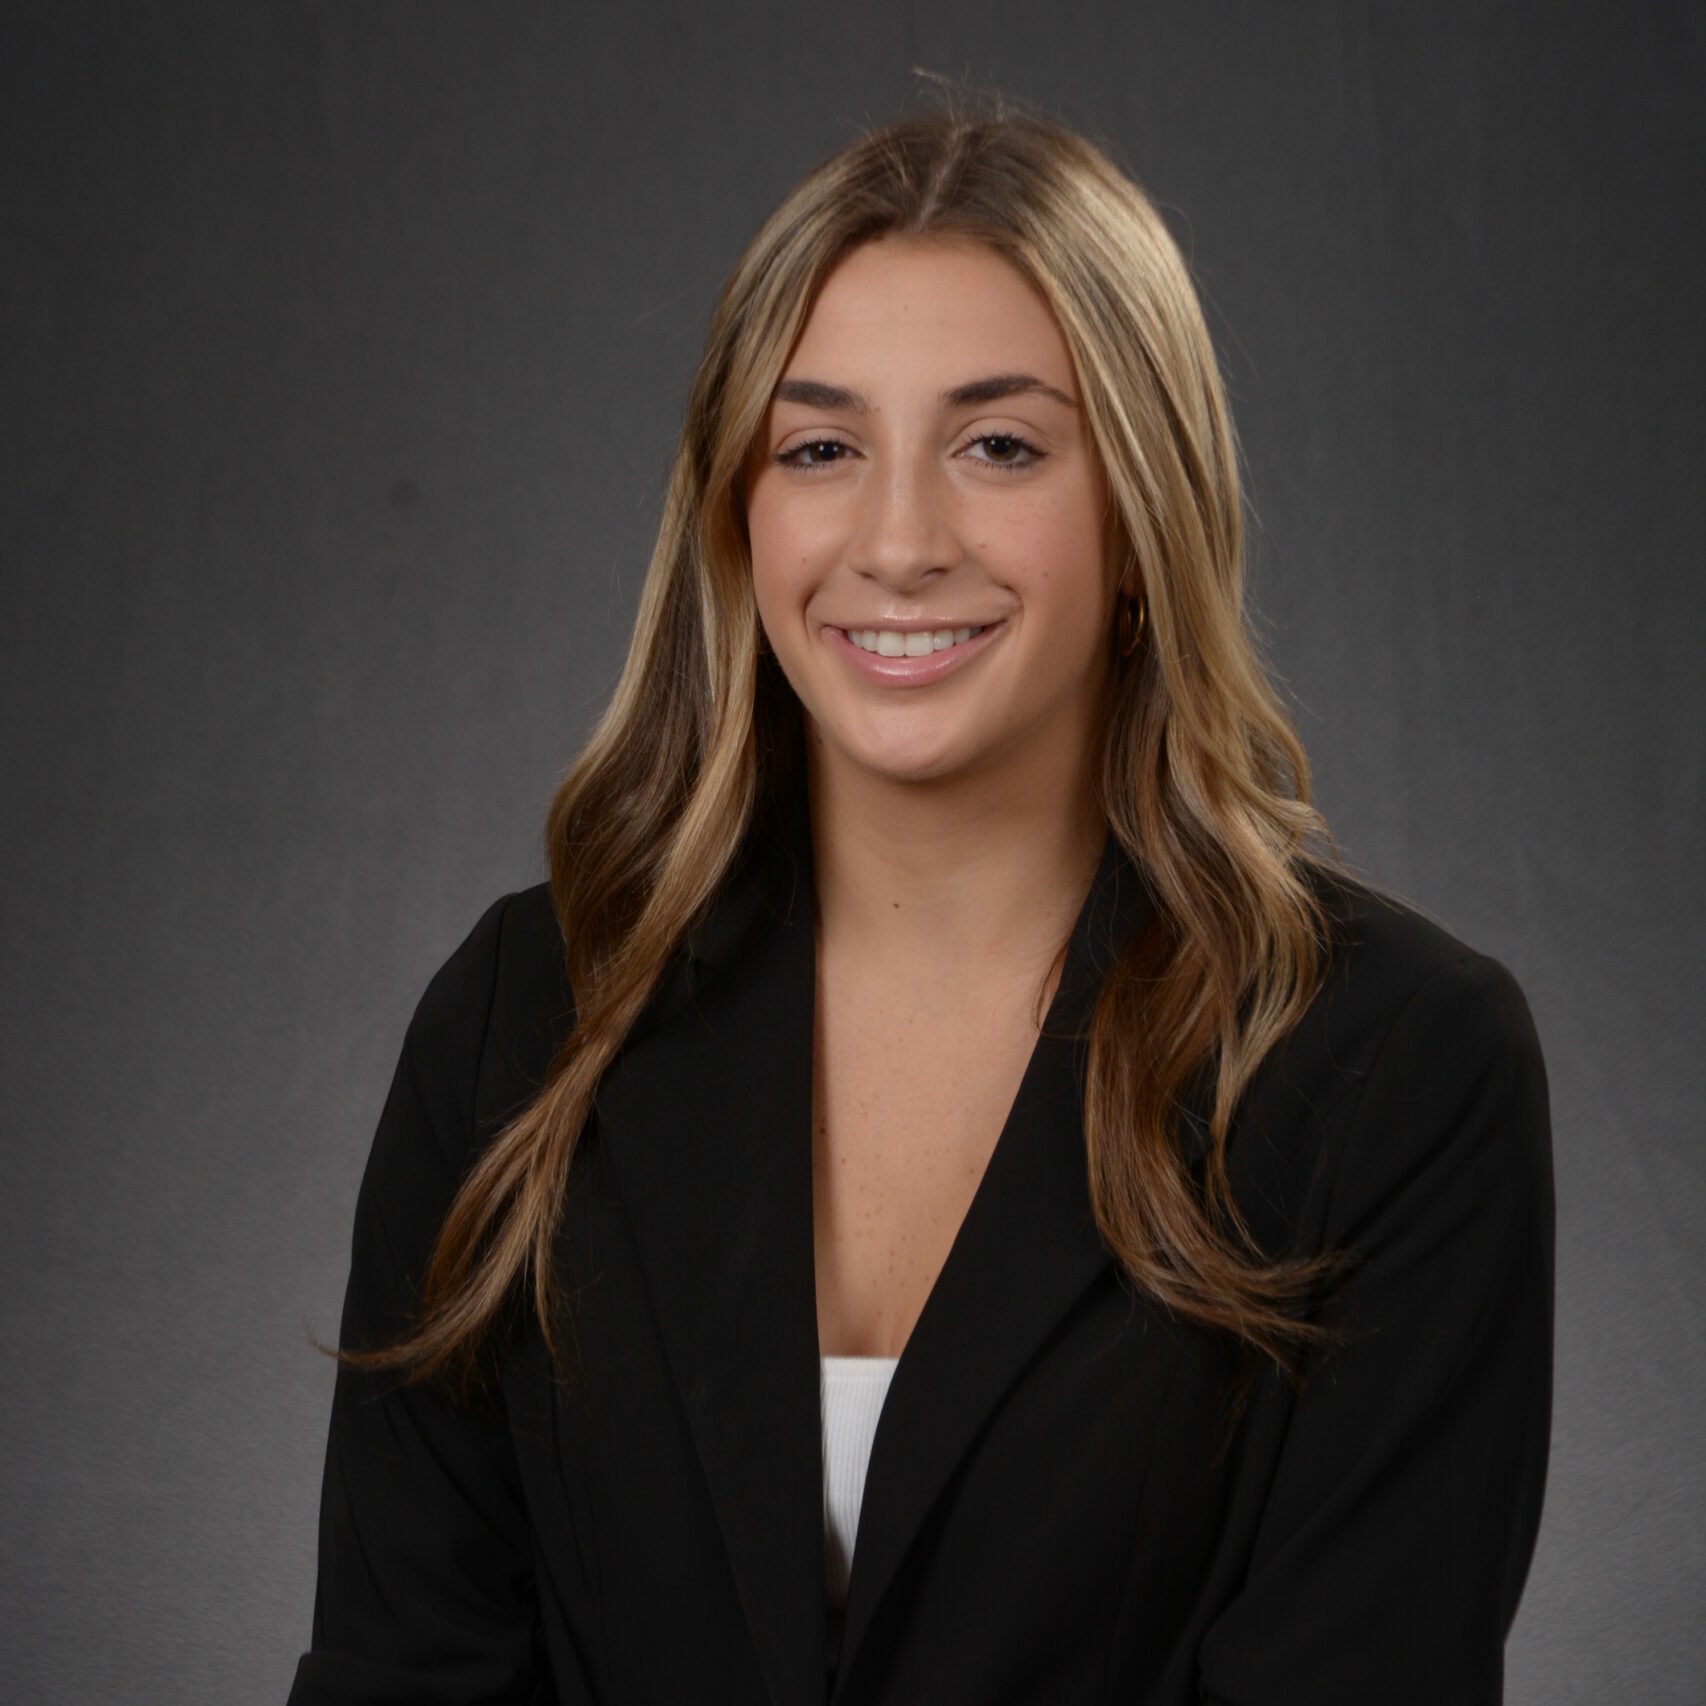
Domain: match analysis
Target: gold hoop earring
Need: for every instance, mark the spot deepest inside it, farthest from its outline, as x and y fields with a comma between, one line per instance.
x=1131, y=632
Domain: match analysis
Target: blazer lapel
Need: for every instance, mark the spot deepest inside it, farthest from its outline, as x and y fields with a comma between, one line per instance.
x=707, y=1118
x=1027, y=1249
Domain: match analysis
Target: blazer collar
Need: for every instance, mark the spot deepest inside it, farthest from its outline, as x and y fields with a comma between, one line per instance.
x=706, y=1115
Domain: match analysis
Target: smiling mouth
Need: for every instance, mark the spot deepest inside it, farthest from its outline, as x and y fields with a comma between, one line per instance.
x=915, y=643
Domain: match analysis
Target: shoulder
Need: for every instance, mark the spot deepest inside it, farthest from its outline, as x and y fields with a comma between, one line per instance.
x=1396, y=976
x=512, y=952
x=486, y=1026
x=485, y=1020
x=1419, y=1062
x=1410, y=1094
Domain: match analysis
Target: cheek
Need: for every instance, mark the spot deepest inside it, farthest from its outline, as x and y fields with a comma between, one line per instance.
x=781, y=585
x=769, y=560
x=1065, y=578
x=781, y=559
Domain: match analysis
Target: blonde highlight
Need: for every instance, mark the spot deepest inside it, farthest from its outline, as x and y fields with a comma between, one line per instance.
x=1201, y=778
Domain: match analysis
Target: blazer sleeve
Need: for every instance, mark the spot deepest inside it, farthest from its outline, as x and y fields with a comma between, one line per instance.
x=425, y=1592
x=1403, y=1512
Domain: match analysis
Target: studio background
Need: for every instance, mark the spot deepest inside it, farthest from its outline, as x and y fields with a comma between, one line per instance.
x=344, y=352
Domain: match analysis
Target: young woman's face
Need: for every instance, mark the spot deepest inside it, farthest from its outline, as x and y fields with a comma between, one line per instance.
x=925, y=469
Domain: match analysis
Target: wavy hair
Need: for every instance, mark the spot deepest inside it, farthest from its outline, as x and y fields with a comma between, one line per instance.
x=1201, y=777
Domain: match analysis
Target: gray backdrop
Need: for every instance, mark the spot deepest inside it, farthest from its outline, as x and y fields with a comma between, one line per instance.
x=344, y=348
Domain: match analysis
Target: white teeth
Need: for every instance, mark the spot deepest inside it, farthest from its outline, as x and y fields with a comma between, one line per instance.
x=892, y=643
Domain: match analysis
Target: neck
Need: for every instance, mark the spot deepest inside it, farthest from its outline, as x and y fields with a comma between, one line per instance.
x=979, y=876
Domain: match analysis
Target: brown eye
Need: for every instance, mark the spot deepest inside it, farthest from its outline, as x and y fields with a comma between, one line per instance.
x=790, y=458
x=1008, y=451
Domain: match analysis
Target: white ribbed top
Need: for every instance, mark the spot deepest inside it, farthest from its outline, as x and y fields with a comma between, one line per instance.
x=852, y=1391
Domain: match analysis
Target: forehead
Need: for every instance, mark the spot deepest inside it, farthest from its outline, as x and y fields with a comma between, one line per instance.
x=940, y=302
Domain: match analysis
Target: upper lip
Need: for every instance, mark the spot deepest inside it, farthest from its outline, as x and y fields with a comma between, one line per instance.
x=919, y=626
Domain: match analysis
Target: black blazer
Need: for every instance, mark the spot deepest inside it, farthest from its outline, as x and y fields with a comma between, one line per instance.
x=1050, y=1514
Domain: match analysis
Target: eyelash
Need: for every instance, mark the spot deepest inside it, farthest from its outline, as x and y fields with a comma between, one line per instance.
x=786, y=458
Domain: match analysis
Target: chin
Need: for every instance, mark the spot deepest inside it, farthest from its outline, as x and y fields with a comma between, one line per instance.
x=908, y=761
x=914, y=743
x=920, y=773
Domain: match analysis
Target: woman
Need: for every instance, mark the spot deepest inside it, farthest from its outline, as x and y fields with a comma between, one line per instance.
x=946, y=1097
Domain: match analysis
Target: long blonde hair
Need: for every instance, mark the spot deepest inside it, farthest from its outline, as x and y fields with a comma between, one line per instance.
x=1202, y=778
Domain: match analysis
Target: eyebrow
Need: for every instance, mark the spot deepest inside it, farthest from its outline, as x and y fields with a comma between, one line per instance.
x=815, y=394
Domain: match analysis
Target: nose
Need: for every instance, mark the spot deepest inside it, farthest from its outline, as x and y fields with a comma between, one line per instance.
x=904, y=535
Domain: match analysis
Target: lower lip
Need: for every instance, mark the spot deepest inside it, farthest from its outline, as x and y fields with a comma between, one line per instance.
x=910, y=672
